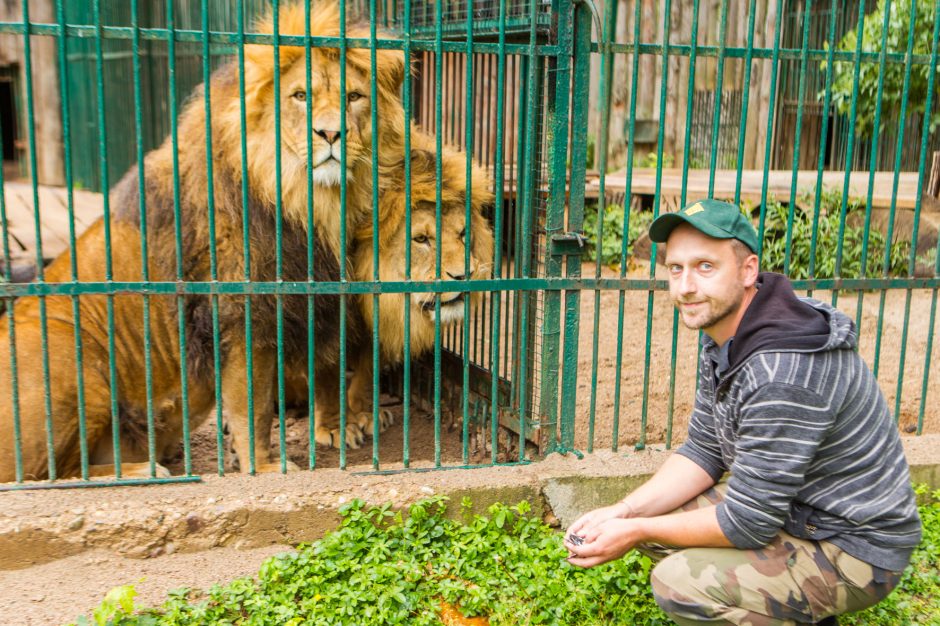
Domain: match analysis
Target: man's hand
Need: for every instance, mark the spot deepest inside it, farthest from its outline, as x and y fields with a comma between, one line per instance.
x=604, y=541
x=593, y=518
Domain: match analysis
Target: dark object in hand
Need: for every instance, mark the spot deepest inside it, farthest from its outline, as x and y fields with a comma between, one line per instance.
x=575, y=540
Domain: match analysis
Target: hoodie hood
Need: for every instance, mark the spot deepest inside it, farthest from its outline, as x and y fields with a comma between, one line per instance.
x=778, y=320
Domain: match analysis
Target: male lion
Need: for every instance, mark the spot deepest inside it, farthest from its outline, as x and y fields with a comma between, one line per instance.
x=453, y=241
x=210, y=251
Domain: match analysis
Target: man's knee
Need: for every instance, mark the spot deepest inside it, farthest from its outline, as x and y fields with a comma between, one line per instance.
x=688, y=590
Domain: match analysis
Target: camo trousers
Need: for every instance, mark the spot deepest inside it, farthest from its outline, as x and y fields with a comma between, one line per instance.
x=790, y=581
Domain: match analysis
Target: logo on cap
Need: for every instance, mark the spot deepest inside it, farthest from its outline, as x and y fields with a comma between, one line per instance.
x=695, y=208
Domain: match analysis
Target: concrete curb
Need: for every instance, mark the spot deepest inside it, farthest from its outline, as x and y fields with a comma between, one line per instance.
x=247, y=512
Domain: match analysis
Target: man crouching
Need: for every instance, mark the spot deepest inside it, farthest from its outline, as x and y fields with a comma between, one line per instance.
x=818, y=517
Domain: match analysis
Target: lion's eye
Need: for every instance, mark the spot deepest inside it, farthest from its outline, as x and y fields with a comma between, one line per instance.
x=353, y=96
x=300, y=94
x=463, y=233
x=420, y=239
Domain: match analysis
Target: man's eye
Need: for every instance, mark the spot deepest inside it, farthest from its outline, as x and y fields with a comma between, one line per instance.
x=353, y=96
x=420, y=239
x=300, y=94
x=706, y=267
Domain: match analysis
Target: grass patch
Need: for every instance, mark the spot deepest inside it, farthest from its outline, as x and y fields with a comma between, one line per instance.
x=382, y=567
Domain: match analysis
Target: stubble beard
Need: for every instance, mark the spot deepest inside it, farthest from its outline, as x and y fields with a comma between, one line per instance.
x=719, y=310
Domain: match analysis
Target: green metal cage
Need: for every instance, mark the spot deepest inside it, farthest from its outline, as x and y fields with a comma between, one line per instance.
x=529, y=91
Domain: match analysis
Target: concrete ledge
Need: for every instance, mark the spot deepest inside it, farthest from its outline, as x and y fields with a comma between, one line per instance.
x=246, y=512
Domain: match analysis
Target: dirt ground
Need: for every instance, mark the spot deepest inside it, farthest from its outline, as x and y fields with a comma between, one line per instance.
x=82, y=579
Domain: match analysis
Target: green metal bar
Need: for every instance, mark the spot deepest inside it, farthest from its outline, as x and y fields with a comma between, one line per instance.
x=376, y=365
x=627, y=201
x=827, y=100
x=70, y=203
x=109, y=261
x=498, y=182
x=745, y=99
x=144, y=256
x=772, y=100
x=526, y=284
x=690, y=100
x=279, y=245
x=213, y=257
x=100, y=483
x=641, y=444
x=311, y=244
x=559, y=71
x=799, y=126
x=468, y=147
x=719, y=92
x=849, y=159
x=246, y=238
x=606, y=72
x=876, y=129
x=226, y=42
x=343, y=304
x=178, y=239
x=406, y=382
x=581, y=72
x=533, y=89
x=889, y=237
x=438, y=126
x=905, y=93
x=37, y=225
x=421, y=470
x=911, y=265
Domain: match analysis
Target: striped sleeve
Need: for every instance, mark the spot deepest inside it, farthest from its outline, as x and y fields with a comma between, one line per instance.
x=701, y=446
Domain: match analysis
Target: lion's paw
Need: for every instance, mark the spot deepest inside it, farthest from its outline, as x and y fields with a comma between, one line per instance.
x=276, y=467
x=331, y=436
x=386, y=419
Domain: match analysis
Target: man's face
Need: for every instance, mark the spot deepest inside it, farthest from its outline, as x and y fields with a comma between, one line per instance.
x=707, y=282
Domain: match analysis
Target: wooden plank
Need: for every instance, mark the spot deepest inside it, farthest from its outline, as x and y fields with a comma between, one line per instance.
x=644, y=182
x=54, y=219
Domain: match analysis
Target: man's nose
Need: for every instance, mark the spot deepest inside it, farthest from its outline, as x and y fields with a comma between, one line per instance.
x=686, y=283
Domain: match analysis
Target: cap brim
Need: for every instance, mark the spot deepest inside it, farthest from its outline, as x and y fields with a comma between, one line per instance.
x=663, y=225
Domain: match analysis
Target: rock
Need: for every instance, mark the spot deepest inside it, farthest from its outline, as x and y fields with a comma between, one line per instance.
x=77, y=523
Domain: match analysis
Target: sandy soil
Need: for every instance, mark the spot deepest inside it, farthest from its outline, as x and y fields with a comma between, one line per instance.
x=81, y=580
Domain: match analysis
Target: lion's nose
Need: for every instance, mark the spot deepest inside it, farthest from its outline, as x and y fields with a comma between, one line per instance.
x=330, y=135
x=457, y=276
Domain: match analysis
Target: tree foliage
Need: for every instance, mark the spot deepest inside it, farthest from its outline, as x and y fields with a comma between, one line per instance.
x=875, y=39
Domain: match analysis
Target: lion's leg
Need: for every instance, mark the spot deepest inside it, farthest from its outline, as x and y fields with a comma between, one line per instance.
x=326, y=413
x=359, y=396
x=62, y=403
x=235, y=401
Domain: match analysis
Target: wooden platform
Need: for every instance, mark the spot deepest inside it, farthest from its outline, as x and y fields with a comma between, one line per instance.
x=778, y=185
x=54, y=219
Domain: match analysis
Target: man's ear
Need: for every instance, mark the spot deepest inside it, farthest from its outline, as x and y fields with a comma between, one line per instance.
x=750, y=269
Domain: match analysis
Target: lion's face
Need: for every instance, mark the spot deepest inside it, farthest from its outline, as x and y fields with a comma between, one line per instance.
x=454, y=239
x=326, y=110
x=328, y=107
x=455, y=266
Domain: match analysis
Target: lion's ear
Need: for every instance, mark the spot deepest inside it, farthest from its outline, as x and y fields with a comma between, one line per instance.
x=390, y=70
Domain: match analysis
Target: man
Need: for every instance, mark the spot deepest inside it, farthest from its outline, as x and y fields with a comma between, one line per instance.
x=818, y=516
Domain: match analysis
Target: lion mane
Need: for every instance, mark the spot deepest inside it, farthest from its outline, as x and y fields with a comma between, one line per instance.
x=145, y=216
x=425, y=238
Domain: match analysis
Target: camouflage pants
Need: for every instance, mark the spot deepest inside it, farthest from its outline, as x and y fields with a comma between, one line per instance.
x=790, y=581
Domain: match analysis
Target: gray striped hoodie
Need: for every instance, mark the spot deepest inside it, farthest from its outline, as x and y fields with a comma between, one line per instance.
x=799, y=421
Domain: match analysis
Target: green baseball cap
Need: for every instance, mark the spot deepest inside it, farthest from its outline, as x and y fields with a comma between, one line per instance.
x=721, y=220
